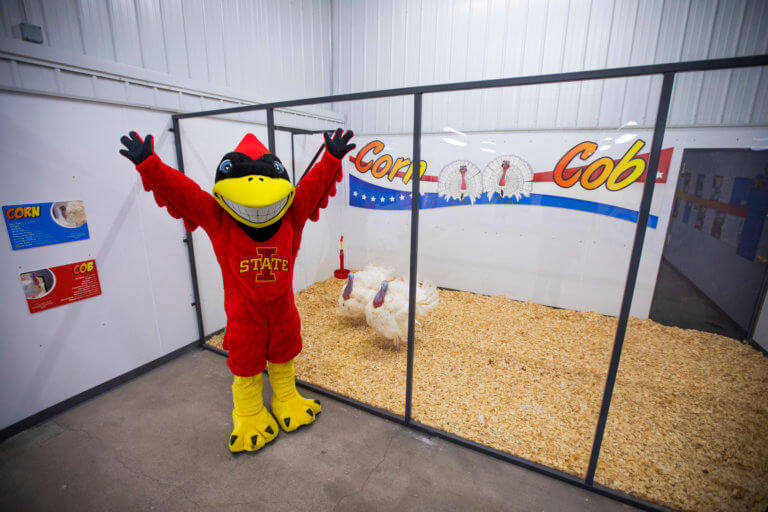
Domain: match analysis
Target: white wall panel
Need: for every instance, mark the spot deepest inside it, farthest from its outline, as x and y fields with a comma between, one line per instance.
x=194, y=34
x=712, y=100
x=145, y=308
x=75, y=83
x=149, y=19
x=434, y=42
x=598, y=42
x=95, y=28
x=174, y=37
x=640, y=90
x=62, y=28
x=533, y=43
x=760, y=106
x=34, y=74
x=232, y=34
x=213, y=36
x=623, y=30
x=552, y=62
x=698, y=35
x=12, y=15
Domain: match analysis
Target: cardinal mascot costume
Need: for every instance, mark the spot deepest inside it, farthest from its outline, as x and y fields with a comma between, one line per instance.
x=254, y=218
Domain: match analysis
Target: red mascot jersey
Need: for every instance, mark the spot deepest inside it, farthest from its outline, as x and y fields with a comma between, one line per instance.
x=262, y=320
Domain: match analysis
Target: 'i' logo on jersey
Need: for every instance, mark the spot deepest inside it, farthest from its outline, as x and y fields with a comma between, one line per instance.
x=265, y=265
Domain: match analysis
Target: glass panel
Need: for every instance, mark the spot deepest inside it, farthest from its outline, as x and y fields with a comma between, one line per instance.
x=343, y=352
x=687, y=426
x=530, y=199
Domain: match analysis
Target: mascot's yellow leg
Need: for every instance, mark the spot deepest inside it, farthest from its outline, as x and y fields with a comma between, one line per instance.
x=254, y=426
x=289, y=407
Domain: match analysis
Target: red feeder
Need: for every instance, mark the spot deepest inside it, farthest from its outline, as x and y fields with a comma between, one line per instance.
x=341, y=272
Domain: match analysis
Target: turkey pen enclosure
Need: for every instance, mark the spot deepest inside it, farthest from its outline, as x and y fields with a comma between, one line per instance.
x=540, y=206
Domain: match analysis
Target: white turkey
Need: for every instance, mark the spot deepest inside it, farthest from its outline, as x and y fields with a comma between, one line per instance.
x=360, y=289
x=387, y=313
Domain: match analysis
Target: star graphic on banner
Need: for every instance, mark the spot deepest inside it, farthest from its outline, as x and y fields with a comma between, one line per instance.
x=392, y=199
x=402, y=197
x=373, y=199
x=354, y=193
x=382, y=199
x=364, y=197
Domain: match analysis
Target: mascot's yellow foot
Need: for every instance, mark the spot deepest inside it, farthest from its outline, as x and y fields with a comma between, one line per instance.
x=295, y=412
x=290, y=408
x=251, y=433
x=254, y=425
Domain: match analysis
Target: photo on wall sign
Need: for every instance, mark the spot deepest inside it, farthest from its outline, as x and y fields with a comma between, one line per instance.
x=70, y=214
x=37, y=283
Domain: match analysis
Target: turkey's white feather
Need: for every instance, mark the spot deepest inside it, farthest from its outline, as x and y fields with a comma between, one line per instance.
x=365, y=284
x=390, y=320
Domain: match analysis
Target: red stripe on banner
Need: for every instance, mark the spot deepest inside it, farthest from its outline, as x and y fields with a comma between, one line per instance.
x=664, y=162
x=728, y=208
x=426, y=177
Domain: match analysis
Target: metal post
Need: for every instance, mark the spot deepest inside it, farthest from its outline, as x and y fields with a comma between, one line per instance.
x=634, y=265
x=271, y=130
x=416, y=177
x=188, y=240
x=293, y=160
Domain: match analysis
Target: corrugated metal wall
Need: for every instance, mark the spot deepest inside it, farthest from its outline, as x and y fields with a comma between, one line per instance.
x=235, y=49
x=394, y=43
x=242, y=50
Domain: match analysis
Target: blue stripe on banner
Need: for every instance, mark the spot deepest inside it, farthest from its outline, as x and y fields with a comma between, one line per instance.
x=367, y=195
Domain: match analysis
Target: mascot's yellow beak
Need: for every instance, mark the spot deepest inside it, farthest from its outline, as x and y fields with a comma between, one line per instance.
x=255, y=200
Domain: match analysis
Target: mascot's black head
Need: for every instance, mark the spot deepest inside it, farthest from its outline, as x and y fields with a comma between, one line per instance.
x=253, y=187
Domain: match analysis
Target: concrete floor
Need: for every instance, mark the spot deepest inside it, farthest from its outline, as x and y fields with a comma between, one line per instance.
x=159, y=443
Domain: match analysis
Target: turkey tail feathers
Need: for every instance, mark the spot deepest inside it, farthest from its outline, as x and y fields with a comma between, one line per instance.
x=426, y=297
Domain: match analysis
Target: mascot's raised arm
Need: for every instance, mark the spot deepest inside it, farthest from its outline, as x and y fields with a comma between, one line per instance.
x=254, y=218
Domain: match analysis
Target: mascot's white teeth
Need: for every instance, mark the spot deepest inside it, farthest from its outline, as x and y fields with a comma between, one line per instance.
x=257, y=215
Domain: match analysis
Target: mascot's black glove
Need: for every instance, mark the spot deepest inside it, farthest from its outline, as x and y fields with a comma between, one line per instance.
x=338, y=144
x=138, y=150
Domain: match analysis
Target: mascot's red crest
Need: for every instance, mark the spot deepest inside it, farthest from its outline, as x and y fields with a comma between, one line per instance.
x=252, y=147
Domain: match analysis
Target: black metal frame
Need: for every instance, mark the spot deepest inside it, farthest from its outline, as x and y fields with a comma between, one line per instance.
x=668, y=71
